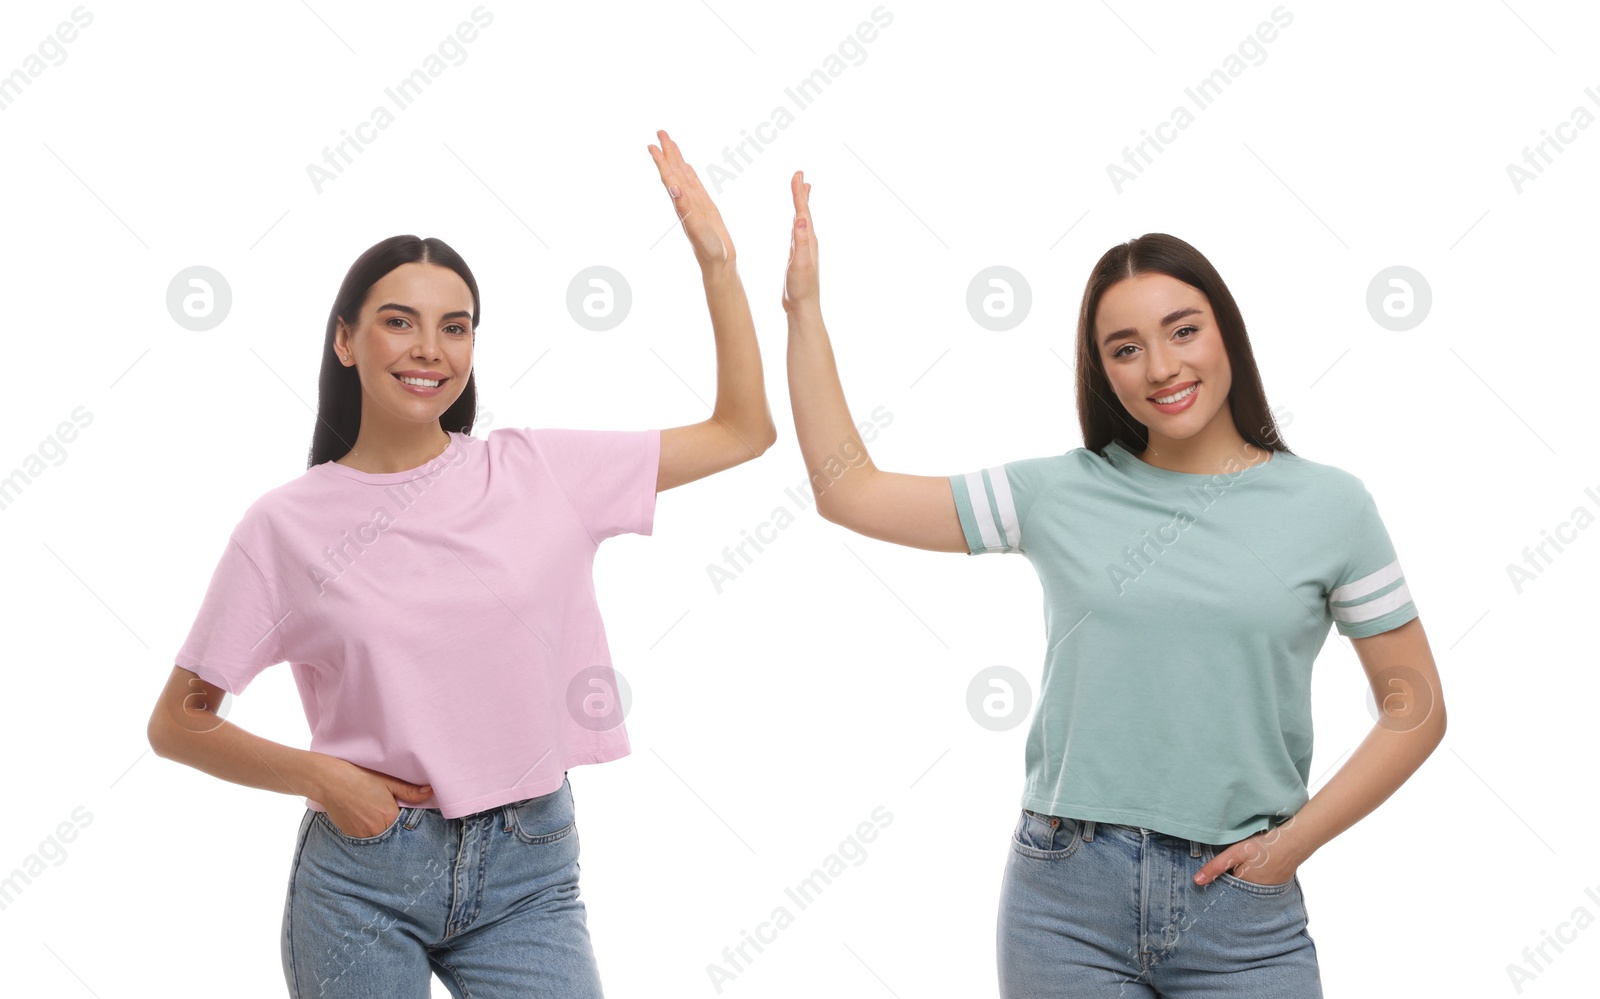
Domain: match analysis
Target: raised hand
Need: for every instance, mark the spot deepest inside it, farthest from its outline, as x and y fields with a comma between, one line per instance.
x=800, y=281
x=701, y=221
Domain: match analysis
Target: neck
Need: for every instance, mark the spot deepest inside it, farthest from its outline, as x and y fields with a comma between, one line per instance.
x=1217, y=449
x=396, y=450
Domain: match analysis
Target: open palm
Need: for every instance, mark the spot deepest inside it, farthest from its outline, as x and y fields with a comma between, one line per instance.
x=701, y=221
x=800, y=280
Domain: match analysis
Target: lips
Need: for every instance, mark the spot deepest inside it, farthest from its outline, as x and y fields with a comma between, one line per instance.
x=440, y=380
x=1189, y=394
x=1168, y=393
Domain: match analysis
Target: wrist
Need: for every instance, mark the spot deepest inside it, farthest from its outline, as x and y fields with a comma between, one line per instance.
x=316, y=774
x=1294, y=841
x=804, y=311
x=721, y=271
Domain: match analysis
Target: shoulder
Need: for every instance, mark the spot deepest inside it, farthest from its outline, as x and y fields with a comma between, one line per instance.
x=1068, y=463
x=1317, y=471
x=502, y=439
x=548, y=437
x=559, y=442
x=1025, y=474
x=566, y=451
x=1076, y=464
x=524, y=444
x=272, y=514
x=1321, y=484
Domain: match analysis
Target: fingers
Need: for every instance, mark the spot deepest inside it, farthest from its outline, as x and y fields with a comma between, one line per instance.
x=674, y=155
x=690, y=179
x=404, y=789
x=662, y=168
x=668, y=152
x=1208, y=872
x=675, y=162
x=680, y=179
x=801, y=191
x=668, y=159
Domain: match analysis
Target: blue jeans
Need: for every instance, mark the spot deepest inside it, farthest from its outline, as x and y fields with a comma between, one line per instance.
x=488, y=902
x=1090, y=909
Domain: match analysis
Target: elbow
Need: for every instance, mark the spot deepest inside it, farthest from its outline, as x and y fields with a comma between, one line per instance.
x=759, y=446
x=155, y=731
x=763, y=441
x=164, y=732
x=748, y=443
x=1430, y=729
x=1436, y=720
x=828, y=509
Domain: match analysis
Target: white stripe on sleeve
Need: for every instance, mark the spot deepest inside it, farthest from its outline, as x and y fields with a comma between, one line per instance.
x=1356, y=589
x=979, y=498
x=1008, y=507
x=1395, y=598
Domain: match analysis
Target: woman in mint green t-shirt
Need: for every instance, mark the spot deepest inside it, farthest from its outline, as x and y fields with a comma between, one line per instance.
x=1192, y=566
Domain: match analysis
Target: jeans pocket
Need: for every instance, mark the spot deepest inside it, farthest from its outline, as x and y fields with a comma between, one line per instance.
x=1233, y=880
x=545, y=819
x=1254, y=888
x=1046, y=837
x=399, y=818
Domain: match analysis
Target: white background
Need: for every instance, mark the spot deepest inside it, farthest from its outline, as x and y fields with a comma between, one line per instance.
x=831, y=677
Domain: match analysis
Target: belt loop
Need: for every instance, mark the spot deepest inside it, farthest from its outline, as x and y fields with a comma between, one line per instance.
x=1194, y=848
x=505, y=818
x=1088, y=830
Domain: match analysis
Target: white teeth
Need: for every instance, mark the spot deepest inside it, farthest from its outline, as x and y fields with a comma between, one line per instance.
x=425, y=383
x=1179, y=396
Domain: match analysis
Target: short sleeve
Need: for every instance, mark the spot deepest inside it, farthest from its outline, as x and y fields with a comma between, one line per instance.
x=993, y=504
x=1370, y=595
x=609, y=476
x=237, y=632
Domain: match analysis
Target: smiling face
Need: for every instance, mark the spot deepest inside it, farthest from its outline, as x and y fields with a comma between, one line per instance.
x=416, y=321
x=1157, y=339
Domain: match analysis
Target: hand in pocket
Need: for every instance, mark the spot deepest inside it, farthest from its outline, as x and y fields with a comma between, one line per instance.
x=362, y=802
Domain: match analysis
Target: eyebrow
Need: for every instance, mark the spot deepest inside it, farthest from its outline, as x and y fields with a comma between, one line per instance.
x=408, y=310
x=1166, y=320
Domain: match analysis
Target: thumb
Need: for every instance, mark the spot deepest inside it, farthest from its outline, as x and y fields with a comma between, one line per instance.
x=411, y=792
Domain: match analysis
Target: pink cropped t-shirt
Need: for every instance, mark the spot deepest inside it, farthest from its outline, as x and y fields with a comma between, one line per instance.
x=441, y=622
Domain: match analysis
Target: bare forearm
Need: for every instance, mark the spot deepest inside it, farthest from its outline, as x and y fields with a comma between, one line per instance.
x=223, y=749
x=1379, y=766
x=741, y=392
x=822, y=419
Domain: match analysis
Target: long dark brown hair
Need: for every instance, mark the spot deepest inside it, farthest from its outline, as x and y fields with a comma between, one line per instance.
x=1101, y=415
x=338, y=386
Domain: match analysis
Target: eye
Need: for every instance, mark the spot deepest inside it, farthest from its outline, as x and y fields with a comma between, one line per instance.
x=393, y=319
x=1194, y=331
x=458, y=328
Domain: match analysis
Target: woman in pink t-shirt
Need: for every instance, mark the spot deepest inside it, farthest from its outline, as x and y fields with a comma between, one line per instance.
x=433, y=594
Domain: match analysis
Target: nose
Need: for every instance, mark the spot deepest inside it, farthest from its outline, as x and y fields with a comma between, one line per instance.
x=427, y=345
x=1162, y=365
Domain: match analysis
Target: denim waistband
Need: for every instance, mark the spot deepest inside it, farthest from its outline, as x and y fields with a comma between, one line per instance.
x=1196, y=848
